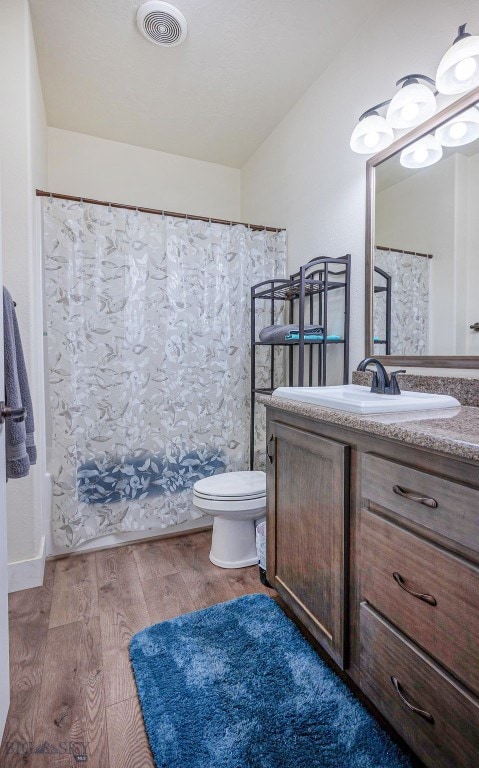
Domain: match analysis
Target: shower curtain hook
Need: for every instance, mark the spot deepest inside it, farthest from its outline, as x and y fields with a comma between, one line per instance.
x=136, y=211
x=162, y=215
x=109, y=207
x=81, y=202
x=51, y=198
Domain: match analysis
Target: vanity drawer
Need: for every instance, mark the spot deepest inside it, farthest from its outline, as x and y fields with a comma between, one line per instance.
x=396, y=563
x=445, y=732
x=442, y=506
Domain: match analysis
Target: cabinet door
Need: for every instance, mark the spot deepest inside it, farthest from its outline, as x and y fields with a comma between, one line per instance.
x=306, y=517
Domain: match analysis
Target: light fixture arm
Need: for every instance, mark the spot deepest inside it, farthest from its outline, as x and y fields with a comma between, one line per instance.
x=461, y=33
x=374, y=110
x=408, y=79
x=458, y=70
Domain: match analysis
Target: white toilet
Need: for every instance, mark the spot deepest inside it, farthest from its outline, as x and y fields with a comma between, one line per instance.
x=235, y=500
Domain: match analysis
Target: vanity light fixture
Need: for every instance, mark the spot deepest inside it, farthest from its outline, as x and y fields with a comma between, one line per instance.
x=422, y=153
x=372, y=133
x=413, y=104
x=458, y=70
x=461, y=130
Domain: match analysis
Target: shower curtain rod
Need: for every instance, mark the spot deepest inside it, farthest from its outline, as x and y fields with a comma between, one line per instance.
x=139, y=208
x=398, y=250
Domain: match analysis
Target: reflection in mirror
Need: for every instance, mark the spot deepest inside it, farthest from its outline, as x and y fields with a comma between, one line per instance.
x=426, y=255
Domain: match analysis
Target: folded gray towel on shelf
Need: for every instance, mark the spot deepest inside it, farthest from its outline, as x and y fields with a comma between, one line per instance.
x=276, y=334
x=19, y=435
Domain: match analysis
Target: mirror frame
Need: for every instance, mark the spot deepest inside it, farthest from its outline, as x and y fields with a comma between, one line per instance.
x=426, y=361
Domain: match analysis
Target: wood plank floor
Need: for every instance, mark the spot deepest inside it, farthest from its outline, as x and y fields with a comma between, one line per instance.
x=72, y=689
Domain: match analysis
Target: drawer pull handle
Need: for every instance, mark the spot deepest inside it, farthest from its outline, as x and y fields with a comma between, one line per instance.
x=412, y=496
x=422, y=712
x=427, y=598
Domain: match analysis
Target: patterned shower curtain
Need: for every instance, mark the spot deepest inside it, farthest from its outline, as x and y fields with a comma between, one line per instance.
x=409, y=303
x=148, y=344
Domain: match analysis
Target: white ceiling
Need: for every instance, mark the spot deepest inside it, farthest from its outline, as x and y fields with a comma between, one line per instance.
x=216, y=97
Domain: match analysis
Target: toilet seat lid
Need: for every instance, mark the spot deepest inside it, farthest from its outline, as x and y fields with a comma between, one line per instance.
x=232, y=485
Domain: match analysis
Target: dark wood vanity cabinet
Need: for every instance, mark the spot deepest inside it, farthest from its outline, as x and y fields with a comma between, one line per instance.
x=307, y=513
x=374, y=546
x=418, y=576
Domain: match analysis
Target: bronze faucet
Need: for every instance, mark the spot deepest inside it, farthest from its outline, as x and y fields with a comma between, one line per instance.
x=382, y=384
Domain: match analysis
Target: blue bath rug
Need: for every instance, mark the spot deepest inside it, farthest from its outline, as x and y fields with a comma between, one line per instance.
x=237, y=686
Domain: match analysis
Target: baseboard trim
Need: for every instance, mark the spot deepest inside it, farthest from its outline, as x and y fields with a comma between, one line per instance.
x=25, y=574
x=129, y=537
x=173, y=535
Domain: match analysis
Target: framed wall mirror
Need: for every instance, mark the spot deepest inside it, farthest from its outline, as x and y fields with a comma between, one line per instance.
x=422, y=244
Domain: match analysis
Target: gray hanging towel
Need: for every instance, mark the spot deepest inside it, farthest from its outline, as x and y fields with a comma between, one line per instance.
x=19, y=436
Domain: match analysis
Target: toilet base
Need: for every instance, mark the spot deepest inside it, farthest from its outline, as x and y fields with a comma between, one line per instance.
x=233, y=544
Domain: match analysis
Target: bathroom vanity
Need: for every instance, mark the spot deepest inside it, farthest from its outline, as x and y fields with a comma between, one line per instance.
x=373, y=543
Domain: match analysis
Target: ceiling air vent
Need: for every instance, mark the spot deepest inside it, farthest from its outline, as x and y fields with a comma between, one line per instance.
x=161, y=23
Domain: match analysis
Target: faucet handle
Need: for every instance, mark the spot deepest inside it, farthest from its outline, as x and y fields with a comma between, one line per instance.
x=375, y=383
x=394, y=386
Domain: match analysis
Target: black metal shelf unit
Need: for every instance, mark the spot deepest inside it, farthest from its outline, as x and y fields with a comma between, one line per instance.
x=305, y=295
x=386, y=288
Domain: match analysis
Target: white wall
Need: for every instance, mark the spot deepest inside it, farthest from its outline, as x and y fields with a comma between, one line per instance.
x=23, y=167
x=419, y=214
x=4, y=638
x=86, y=166
x=305, y=177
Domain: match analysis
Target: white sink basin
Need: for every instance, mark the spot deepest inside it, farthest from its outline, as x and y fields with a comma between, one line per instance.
x=356, y=399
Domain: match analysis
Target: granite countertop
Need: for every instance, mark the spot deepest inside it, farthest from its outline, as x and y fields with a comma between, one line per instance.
x=463, y=388
x=454, y=431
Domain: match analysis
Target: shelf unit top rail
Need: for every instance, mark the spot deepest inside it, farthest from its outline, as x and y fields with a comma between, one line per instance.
x=292, y=289
x=322, y=262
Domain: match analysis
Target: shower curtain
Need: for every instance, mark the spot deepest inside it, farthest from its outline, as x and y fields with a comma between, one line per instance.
x=409, y=303
x=148, y=344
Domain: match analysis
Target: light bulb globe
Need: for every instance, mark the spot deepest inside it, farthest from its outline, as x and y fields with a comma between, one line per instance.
x=461, y=130
x=372, y=134
x=410, y=106
x=371, y=140
x=409, y=111
x=465, y=69
x=458, y=130
x=421, y=153
x=458, y=70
